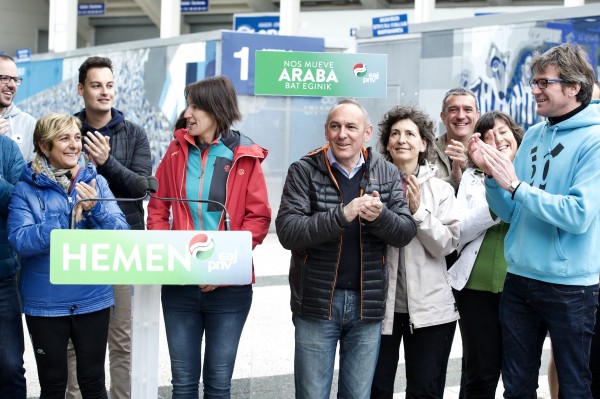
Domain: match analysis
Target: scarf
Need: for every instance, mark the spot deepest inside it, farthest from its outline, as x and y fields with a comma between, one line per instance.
x=63, y=177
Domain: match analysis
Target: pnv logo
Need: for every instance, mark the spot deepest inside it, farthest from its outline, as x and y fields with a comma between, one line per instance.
x=360, y=70
x=202, y=246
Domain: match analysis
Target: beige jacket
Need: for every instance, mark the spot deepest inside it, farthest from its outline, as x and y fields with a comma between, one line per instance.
x=430, y=298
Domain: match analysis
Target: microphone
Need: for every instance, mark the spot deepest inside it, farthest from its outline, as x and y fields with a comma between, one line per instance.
x=141, y=184
x=153, y=188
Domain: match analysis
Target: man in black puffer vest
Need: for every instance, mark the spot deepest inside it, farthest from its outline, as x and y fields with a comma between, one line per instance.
x=341, y=206
x=121, y=152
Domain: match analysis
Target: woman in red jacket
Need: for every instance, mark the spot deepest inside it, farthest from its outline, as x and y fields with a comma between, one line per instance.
x=208, y=160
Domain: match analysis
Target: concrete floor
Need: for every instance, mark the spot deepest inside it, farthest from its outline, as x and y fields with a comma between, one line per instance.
x=264, y=366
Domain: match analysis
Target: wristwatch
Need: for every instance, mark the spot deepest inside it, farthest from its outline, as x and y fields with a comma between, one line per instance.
x=513, y=187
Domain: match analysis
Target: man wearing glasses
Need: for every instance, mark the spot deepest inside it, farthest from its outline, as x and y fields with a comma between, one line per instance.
x=549, y=195
x=14, y=123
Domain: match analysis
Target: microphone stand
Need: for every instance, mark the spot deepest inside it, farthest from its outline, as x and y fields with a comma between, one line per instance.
x=226, y=220
x=73, y=215
x=150, y=185
x=141, y=183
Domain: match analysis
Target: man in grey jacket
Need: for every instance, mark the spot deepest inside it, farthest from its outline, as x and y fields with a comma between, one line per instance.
x=121, y=152
x=14, y=123
x=460, y=113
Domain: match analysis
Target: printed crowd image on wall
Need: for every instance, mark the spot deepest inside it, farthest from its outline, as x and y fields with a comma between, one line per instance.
x=497, y=61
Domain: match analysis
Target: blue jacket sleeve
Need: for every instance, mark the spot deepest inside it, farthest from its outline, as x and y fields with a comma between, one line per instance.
x=10, y=170
x=27, y=235
x=499, y=200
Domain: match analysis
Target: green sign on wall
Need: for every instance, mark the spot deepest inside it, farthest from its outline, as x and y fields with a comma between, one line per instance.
x=294, y=73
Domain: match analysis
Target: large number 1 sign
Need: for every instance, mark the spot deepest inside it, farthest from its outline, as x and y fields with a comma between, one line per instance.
x=238, y=49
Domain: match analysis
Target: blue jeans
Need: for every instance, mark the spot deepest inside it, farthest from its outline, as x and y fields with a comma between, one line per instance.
x=12, y=346
x=219, y=316
x=528, y=309
x=316, y=342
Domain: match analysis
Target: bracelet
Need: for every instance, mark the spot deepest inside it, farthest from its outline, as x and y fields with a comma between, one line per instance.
x=512, y=195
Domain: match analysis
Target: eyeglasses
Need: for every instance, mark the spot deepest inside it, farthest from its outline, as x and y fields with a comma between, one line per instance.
x=543, y=83
x=6, y=79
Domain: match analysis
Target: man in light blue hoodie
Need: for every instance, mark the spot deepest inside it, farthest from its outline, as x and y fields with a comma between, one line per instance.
x=551, y=198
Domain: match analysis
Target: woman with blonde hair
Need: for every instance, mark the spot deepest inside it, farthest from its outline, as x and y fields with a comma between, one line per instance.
x=43, y=200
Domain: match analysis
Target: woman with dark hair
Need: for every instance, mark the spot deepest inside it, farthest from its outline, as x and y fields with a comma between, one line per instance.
x=478, y=274
x=420, y=306
x=43, y=201
x=208, y=160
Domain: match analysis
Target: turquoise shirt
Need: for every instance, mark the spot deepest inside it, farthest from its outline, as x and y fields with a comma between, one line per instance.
x=203, y=181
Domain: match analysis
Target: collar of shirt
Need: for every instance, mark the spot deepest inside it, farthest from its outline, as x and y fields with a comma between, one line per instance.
x=333, y=162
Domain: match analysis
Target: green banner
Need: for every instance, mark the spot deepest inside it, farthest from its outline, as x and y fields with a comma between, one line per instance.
x=295, y=73
x=150, y=257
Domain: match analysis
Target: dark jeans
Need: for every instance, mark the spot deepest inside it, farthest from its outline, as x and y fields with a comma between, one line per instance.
x=528, y=309
x=481, y=341
x=12, y=373
x=218, y=317
x=426, y=352
x=595, y=358
x=50, y=337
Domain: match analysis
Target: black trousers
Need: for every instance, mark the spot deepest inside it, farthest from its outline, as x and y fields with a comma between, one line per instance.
x=426, y=352
x=50, y=337
x=482, y=343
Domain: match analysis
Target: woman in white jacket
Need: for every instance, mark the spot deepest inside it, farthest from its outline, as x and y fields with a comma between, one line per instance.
x=420, y=306
x=478, y=274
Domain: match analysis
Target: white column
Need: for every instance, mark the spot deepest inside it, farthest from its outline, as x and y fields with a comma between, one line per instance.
x=62, y=32
x=424, y=10
x=289, y=17
x=574, y=3
x=170, y=18
x=144, y=341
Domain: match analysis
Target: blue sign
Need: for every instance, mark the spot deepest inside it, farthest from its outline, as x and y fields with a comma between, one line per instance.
x=265, y=24
x=238, y=49
x=390, y=25
x=90, y=9
x=194, y=5
x=23, y=55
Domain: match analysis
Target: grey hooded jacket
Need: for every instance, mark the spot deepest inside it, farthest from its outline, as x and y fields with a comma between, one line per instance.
x=21, y=130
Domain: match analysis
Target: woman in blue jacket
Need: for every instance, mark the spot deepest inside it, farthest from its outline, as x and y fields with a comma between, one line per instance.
x=42, y=201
